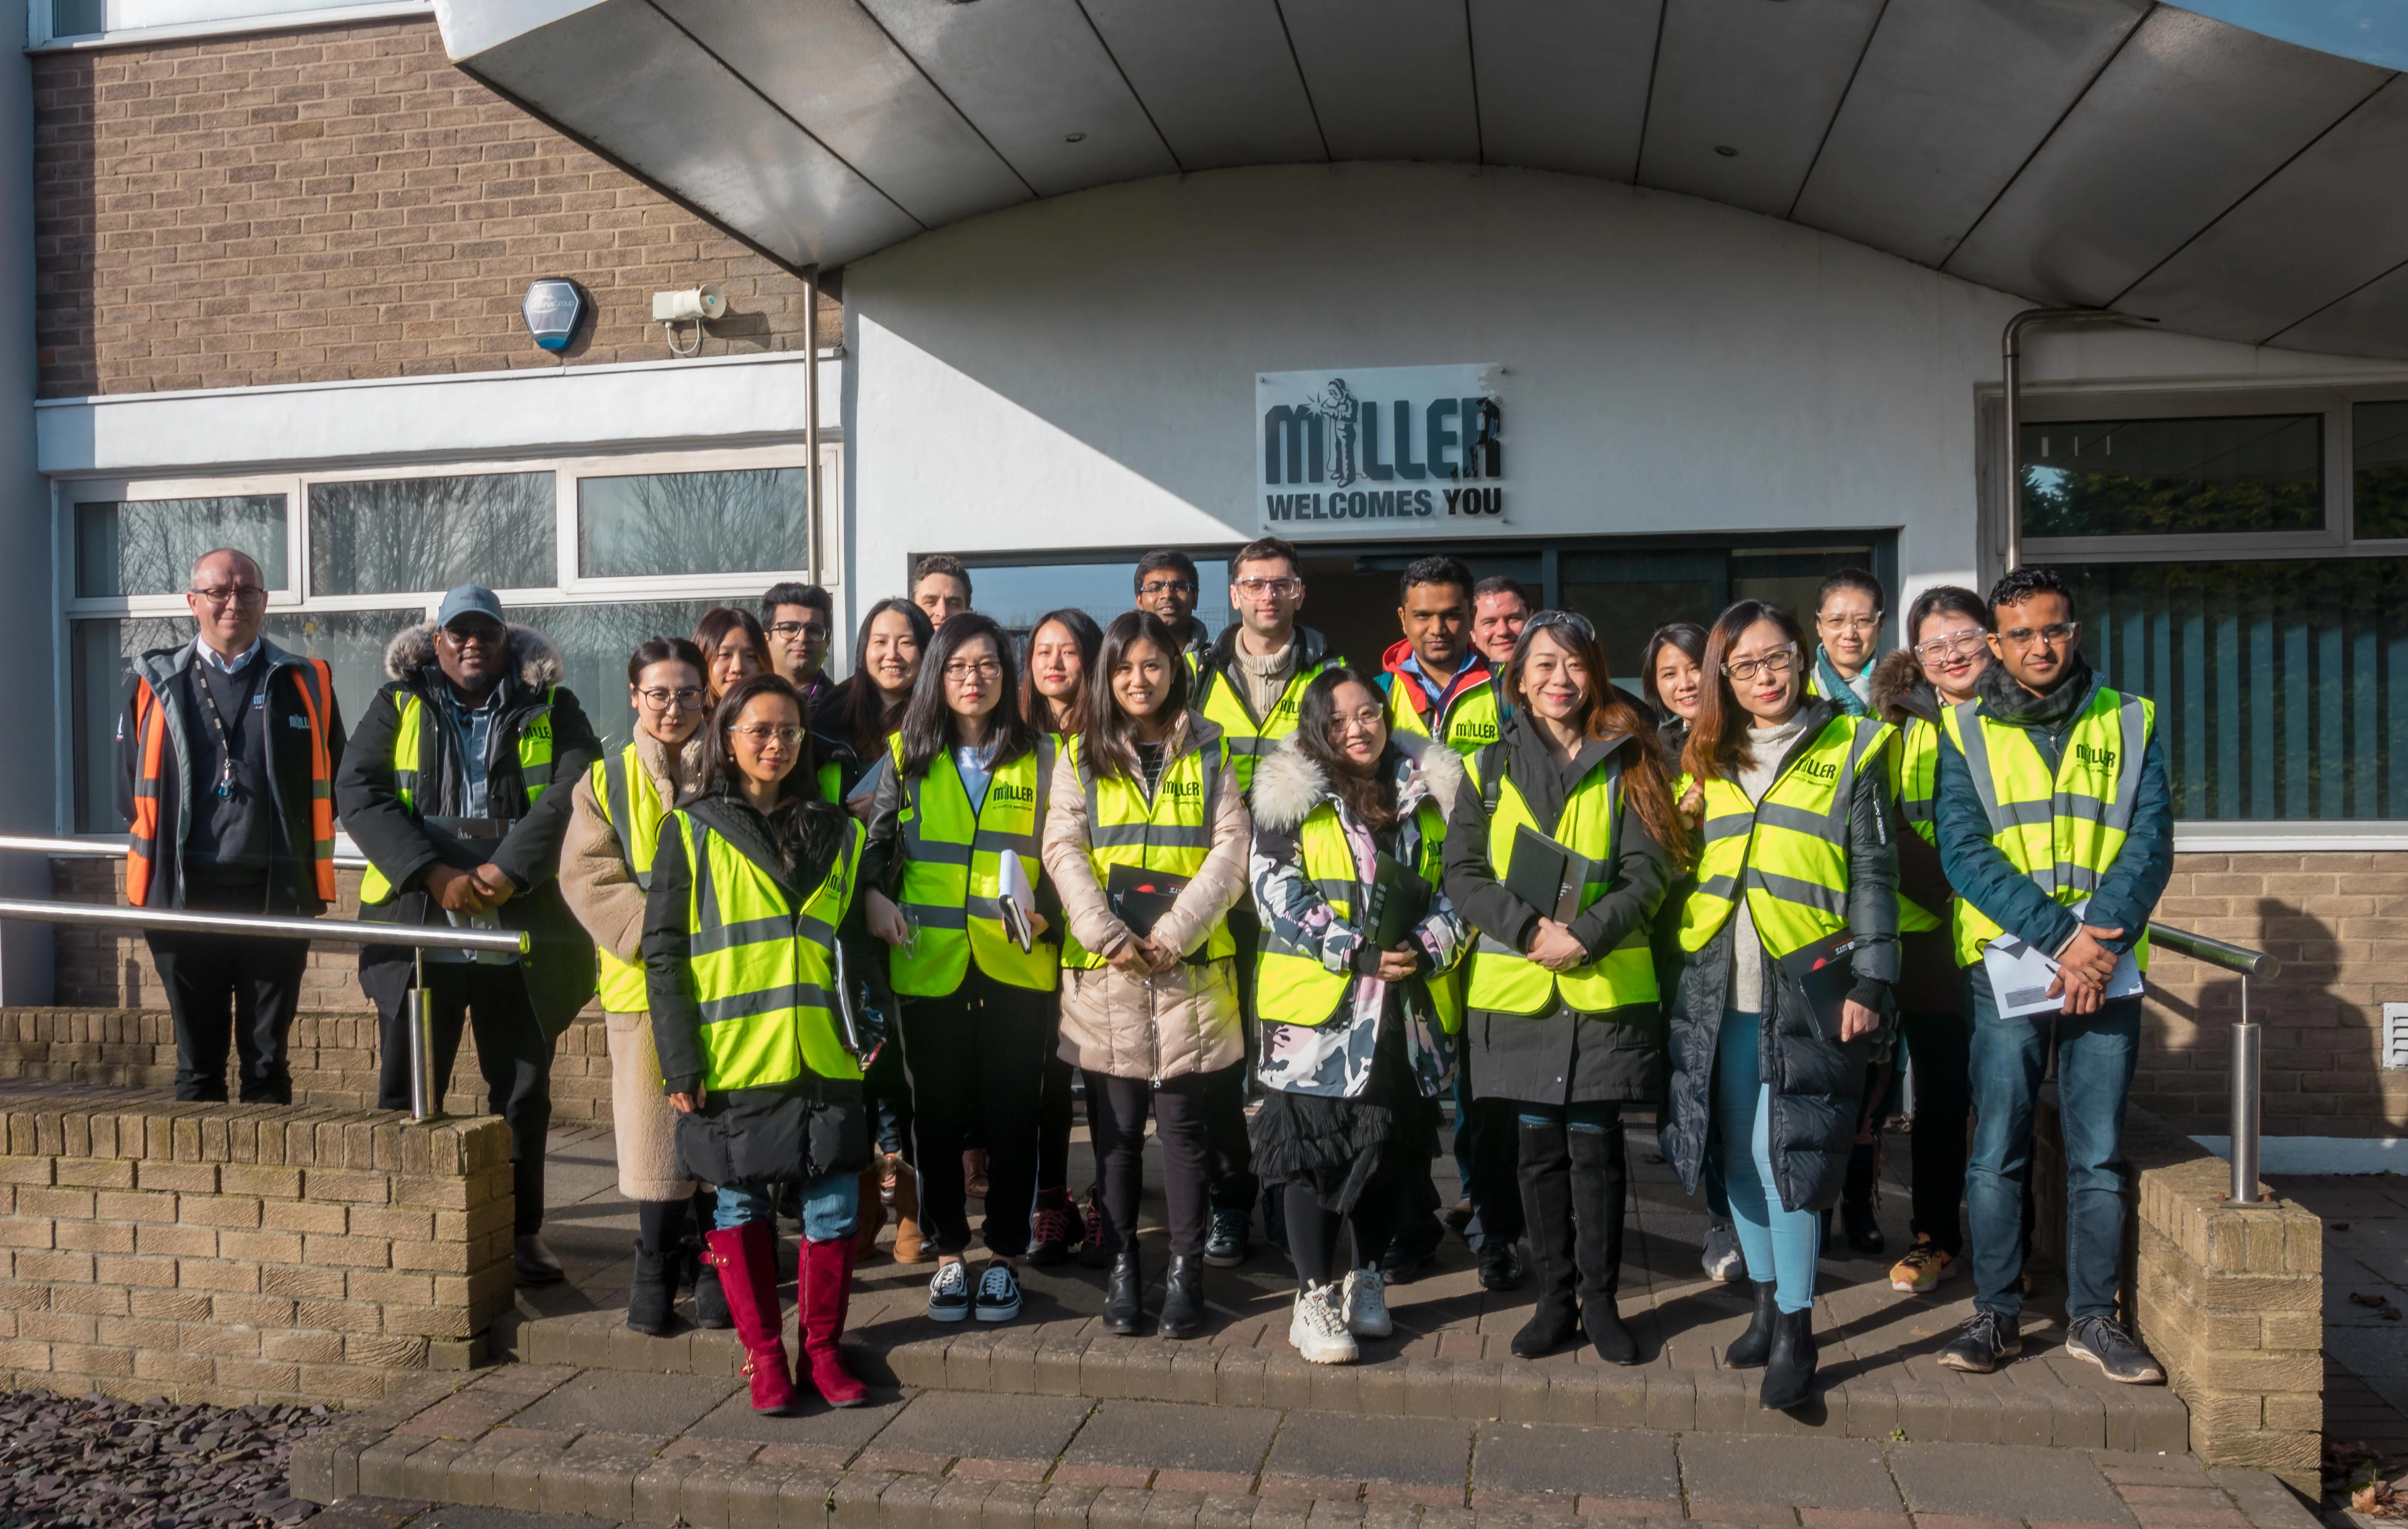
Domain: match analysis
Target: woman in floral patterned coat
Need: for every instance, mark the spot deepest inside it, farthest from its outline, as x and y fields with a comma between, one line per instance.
x=1352, y=1035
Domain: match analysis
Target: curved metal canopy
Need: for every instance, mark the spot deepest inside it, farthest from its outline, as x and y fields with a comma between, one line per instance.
x=2085, y=153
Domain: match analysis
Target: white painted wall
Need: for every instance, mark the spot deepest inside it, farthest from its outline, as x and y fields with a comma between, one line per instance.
x=1080, y=372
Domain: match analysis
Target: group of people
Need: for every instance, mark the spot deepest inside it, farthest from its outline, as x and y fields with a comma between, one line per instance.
x=862, y=946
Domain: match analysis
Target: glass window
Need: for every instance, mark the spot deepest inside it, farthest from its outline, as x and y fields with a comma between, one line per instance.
x=1627, y=594
x=668, y=524
x=149, y=546
x=2282, y=687
x=415, y=534
x=594, y=641
x=2158, y=478
x=1017, y=594
x=2379, y=468
x=89, y=18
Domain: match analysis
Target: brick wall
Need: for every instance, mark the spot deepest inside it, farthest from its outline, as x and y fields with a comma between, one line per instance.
x=245, y=1254
x=340, y=201
x=99, y=968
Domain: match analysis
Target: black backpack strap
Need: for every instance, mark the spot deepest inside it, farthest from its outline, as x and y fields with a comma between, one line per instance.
x=1492, y=778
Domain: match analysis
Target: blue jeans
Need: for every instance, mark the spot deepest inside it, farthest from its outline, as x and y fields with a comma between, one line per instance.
x=830, y=1203
x=2094, y=1056
x=1781, y=1246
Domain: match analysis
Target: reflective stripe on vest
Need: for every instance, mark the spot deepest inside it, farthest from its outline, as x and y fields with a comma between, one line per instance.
x=410, y=738
x=762, y=971
x=2063, y=831
x=1470, y=723
x=1246, y=739
x=632, y=806
x=1789, y=852
x=953, y=873
x=1503, y=980
x=1172, y=834
x=1292, y=986
x=1915, y=780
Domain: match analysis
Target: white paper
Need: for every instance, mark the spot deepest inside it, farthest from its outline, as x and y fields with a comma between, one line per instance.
x=1015, y=889
x=2020, y=975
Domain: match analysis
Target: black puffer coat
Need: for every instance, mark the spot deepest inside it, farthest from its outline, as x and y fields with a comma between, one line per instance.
x=1817, y=1084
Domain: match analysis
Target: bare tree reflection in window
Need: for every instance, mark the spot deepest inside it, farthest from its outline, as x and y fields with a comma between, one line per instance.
x=659, y=523
x=399, y=535
x=149, y=546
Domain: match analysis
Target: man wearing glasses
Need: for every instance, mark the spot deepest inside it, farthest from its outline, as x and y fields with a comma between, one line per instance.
x=457, y=789
x=2055, y=830
x=798, y=619
x=1166, y=587
x=1848, y=622
x=226, y=758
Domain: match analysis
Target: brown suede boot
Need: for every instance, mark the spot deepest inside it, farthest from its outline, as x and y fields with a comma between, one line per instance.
x=873, y=1210
x=910, y=1248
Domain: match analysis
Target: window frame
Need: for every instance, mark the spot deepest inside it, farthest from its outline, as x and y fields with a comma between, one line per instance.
x=41, y=35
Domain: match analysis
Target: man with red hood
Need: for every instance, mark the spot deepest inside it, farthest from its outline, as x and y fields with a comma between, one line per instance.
x=1438, y=686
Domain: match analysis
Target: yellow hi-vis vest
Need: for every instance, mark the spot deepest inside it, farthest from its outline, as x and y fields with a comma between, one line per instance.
x=1292, y=987
x=763, y=970
x=1245, y=736
x=1503, y=980
x=1788, y=852
x=1468, y=722
x=2062, y=831
x=1915, y=780
x=953, y=873
x=413, y=747
x=633, y=810
x=1172, y=834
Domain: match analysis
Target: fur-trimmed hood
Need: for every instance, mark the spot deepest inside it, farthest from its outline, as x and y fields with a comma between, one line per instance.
x=1288, y=785
x=1899, y=692
x=412, y=650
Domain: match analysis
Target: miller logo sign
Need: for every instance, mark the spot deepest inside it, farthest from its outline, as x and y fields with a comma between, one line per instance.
x=1379, y=451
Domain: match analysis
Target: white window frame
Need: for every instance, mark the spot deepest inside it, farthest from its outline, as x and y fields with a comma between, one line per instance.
x=39, y=37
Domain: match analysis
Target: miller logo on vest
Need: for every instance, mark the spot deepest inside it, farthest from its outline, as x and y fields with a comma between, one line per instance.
x=1410, y=447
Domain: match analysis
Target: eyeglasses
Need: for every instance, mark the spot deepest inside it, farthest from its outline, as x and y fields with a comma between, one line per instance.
x=761, y=736
x=1156, y=587
x=486, y=635
x=1963, y=644
x=2035, y=637
x=1773, y=663
x=1859, y=624
x=248, y=594
x=1365, y=719
x=962, y=674
x=794, y=629
x=1571, y=618
x=1254, y=589
x=685, y=699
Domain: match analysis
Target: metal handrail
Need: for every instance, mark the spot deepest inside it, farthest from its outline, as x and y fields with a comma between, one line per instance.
x=112, y=850
x=2248, y=1043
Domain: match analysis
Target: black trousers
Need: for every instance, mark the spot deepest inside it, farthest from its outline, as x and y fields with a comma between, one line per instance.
x=1055, y=1111
x=977, y=1060
x=1940, y=1046
x=1116, y=1111
x=512, y=1051
x=1229, y=1153
x=1487, y=1155
x=224, y=989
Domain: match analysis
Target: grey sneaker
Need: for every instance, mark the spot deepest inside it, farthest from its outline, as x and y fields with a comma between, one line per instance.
x=2099, y=1340
x=1225, y=1244
x=998, y=1294
x=1989, y=1339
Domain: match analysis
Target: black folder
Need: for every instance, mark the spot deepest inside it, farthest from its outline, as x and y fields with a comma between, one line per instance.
x=1823, y=977
x=1547, y=875
x=1142, y=897
x=1395, y=903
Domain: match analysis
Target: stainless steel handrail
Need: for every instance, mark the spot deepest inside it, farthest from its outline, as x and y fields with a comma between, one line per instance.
x=114, y=849
x=2248, y=1043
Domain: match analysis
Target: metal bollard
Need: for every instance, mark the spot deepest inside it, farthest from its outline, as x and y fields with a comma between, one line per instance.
x=423, y=1105
x=2248, y=1055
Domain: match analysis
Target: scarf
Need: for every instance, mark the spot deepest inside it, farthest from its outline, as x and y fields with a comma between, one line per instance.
x=2006, y=699
x=1835, y=689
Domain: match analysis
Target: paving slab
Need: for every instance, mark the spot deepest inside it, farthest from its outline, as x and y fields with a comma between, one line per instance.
x=443, y=1516
x=974, y=1426
x=1833, y=1473
x=819, y=1426
x=624, y=1404
x=1175, y=1436
x=1340, y=1447
x=1546, y=1457
x=2060, y=1485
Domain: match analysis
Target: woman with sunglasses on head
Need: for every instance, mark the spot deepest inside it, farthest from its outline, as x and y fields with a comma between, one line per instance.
x=1355, y=1037
x=1564, y=1019
x=1948, y=635
x=1798, y=866
x=734, y=648
x=1149, y=1008
x=953, y=831
x=753, y=887
x=1062, y=648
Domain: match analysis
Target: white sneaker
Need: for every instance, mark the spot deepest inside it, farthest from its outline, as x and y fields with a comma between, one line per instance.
x=1318, y=1329
x=1722, y=1260
x=1366, y=1303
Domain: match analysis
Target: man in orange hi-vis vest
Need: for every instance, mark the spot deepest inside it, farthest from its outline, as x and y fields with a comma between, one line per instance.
x=226, y=753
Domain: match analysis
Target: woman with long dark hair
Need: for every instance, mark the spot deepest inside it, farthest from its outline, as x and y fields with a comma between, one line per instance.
x=1798, y=867
x=1062, y=648
x=1564, y=1014
x=1672, y=677
x=734, y=648
x=1146, y=840
x=954, y=828
x=887, y=650
x=752, y=885
x=1355, y=1036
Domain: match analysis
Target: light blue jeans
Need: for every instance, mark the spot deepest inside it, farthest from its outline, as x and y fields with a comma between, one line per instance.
x=830, y=1204
x=1781, y=1246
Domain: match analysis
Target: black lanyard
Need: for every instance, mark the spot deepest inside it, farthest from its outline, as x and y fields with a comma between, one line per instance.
x=225, y=744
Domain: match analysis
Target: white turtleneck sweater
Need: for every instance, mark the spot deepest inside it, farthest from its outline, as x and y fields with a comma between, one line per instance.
x=1766, y=745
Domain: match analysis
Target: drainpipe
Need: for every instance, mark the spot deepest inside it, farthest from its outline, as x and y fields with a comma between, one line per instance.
x=811, y=516
x=2011, y=355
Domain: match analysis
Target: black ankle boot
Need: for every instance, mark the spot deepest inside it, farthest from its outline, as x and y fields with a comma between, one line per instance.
x=1790, y=1371
x=1601, y=1187
x=1545, y=1176
x=1183, y=1298
x=650, y=1298
x=1124, y=1293
x=1753, y=1347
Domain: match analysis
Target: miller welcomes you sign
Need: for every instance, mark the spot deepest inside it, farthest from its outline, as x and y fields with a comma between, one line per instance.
x=1385, y=449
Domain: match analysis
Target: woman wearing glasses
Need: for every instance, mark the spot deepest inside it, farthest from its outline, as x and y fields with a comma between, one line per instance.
x=734, y=648
x=752, y=886
x=1847, y=616
x=606, y=863
x=1564, y=1017
x=1797, y=869
x=1948, y=629
x=1150, y=996
x=954, y=882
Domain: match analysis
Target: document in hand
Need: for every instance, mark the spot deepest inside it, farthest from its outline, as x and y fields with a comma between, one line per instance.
x=1547, y=874
x=2020, y=973
x=1823, y=977
x=1016, y=901
x=1400, y=901
x=1142, y=897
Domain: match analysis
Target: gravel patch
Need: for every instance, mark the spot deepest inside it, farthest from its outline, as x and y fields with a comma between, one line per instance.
x=96, y=1460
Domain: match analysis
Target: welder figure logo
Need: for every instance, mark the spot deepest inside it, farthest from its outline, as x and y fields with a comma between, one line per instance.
x=1337, y=405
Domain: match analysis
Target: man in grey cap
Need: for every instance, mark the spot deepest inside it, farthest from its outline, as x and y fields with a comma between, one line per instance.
x=456, y=787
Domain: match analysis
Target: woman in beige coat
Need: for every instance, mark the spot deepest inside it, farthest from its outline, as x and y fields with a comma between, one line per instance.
x=1147, y=791
x=605, y=866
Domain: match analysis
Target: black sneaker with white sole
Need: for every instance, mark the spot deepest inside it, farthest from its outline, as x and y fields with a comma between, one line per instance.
x=949, y=1293
x=1988, y=1340
x=2100, y=1340
x=1224, y=1241
x=998, y=1294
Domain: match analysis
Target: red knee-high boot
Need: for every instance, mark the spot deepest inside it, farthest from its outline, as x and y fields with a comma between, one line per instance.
x=747, y=1259
x=826, y=1292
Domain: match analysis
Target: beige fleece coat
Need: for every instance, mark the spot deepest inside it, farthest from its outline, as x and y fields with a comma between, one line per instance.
x=1186, y=1021
x=604, y=896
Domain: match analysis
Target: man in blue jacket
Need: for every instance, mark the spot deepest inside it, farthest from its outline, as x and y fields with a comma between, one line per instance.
x=2057, y=829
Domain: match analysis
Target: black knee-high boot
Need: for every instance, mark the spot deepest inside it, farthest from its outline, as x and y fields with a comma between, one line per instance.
x=1545, y=1177
x=660, y=1244
x=1600, y=1183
